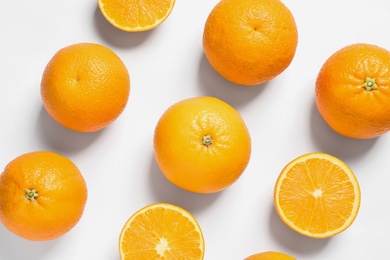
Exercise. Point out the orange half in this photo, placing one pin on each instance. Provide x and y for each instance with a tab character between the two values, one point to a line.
136	16
270	255
317	195
161	231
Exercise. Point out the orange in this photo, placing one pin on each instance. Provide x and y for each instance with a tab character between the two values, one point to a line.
250	42
317	195
161	231
202	144
136	16
353	91
43	195
270	255
85	87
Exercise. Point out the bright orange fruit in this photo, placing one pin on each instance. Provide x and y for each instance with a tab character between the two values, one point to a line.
85	87
43	195
317	195
161	231
250	42
202	144
353	91
136	16
270	255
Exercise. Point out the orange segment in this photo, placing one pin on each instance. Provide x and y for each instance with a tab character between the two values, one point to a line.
317	195
161	231
135	16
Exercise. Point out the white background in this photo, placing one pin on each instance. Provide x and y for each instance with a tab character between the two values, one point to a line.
167	65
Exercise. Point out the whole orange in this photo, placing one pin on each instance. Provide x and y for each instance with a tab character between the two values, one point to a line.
85	87
353	91
43	195
250	42
202	144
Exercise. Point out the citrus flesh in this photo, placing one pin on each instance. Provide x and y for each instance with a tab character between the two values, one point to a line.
317	195
136	16
270	255
161	231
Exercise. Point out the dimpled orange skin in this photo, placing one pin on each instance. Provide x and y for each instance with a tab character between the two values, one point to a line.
343	98
270	255
250	42
59	204
181	150
85	87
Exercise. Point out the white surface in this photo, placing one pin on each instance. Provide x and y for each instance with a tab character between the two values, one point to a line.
166	65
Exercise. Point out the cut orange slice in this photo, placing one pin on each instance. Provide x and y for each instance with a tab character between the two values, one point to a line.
161	231
136	16
270	255
317	195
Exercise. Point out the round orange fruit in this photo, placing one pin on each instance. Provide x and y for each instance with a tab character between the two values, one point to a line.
85	87
136	16
353	91
43	195
317	195
202	144
250	42
161	231
270	255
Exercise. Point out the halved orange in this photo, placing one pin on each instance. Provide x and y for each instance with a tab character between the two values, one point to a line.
161	231
136	16
270	255
317	195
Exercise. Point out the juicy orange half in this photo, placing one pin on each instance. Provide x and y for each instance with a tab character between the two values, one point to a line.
161	231
136	16
270	255
317	195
